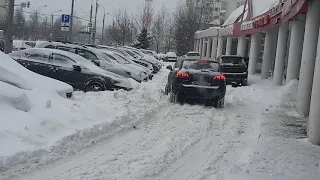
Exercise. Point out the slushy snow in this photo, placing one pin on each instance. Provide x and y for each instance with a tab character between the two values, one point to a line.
139	135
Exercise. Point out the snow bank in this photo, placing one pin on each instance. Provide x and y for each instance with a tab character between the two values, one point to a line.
54	127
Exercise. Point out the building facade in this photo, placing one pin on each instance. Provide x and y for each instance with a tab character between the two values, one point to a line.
280	36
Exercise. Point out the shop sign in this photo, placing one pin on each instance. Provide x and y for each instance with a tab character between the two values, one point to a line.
226	31
263	21
276	10
287	6
246	26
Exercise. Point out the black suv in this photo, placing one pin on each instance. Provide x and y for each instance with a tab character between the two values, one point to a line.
196	79
234	68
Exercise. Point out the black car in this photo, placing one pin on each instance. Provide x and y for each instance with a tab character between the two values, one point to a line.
71	69
234	68
196	80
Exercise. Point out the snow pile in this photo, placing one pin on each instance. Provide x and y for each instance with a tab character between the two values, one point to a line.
234	16
260	7
50	127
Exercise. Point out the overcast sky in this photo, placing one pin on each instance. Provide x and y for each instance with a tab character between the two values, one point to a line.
82	7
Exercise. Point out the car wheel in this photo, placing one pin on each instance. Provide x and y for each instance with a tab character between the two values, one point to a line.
244	83
173	97
95	86
166	90
219	103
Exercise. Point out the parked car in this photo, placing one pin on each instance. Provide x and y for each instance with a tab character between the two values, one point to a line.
13	73
234	68
96	57
193	55
196	79
138	74
145	65
21	45
70	68
150	52
171	57
139	56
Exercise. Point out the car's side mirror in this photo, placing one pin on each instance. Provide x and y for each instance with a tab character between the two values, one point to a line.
97	63
169	68
77	68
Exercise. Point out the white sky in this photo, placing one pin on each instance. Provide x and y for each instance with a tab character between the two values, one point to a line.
110	5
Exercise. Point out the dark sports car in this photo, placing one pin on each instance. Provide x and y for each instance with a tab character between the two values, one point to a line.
196	80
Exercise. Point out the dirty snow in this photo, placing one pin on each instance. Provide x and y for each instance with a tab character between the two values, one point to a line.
138	135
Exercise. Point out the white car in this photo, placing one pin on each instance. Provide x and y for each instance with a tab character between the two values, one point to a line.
171	57
193	55
21	45
11	72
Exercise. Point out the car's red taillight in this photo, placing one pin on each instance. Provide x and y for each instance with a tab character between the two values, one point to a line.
22	48
183	75
220	78
202	61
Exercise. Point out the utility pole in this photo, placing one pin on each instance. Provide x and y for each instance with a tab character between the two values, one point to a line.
95	24
8	45
90	29
71	20
102	38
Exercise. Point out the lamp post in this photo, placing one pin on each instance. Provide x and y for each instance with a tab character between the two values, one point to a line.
104	18
52	23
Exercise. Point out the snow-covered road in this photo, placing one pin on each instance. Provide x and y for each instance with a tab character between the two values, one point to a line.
253	137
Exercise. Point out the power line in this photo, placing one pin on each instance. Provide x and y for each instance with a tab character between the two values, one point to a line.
81	8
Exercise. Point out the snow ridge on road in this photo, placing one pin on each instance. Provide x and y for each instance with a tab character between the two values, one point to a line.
110	113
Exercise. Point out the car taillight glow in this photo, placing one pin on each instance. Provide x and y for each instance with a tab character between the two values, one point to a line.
202	61
220	78
183	75
22	48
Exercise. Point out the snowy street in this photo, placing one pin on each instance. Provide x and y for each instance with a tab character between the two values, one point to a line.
257	135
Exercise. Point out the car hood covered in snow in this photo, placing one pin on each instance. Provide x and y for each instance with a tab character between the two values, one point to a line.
11	72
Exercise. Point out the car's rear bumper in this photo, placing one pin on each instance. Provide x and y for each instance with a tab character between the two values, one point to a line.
236	77
200	92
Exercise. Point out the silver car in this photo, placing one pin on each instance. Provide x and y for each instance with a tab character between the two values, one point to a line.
138	73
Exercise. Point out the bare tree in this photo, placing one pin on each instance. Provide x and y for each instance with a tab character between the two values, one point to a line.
121	29
158	29
19	24
186	24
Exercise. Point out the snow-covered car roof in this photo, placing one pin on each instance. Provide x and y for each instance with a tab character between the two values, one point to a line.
15	74
171	54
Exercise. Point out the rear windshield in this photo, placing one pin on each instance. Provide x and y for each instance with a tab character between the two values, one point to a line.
232	60
198	65
193	54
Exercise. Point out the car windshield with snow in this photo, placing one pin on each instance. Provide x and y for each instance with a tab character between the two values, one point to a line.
70	68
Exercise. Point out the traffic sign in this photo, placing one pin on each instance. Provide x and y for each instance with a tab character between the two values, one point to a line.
65	18
90	25
65	28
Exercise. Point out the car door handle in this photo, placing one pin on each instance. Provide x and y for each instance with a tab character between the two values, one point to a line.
54	69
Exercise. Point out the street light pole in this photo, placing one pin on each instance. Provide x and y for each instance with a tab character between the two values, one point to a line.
102	38
104	18
95	24
9	43
71	20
